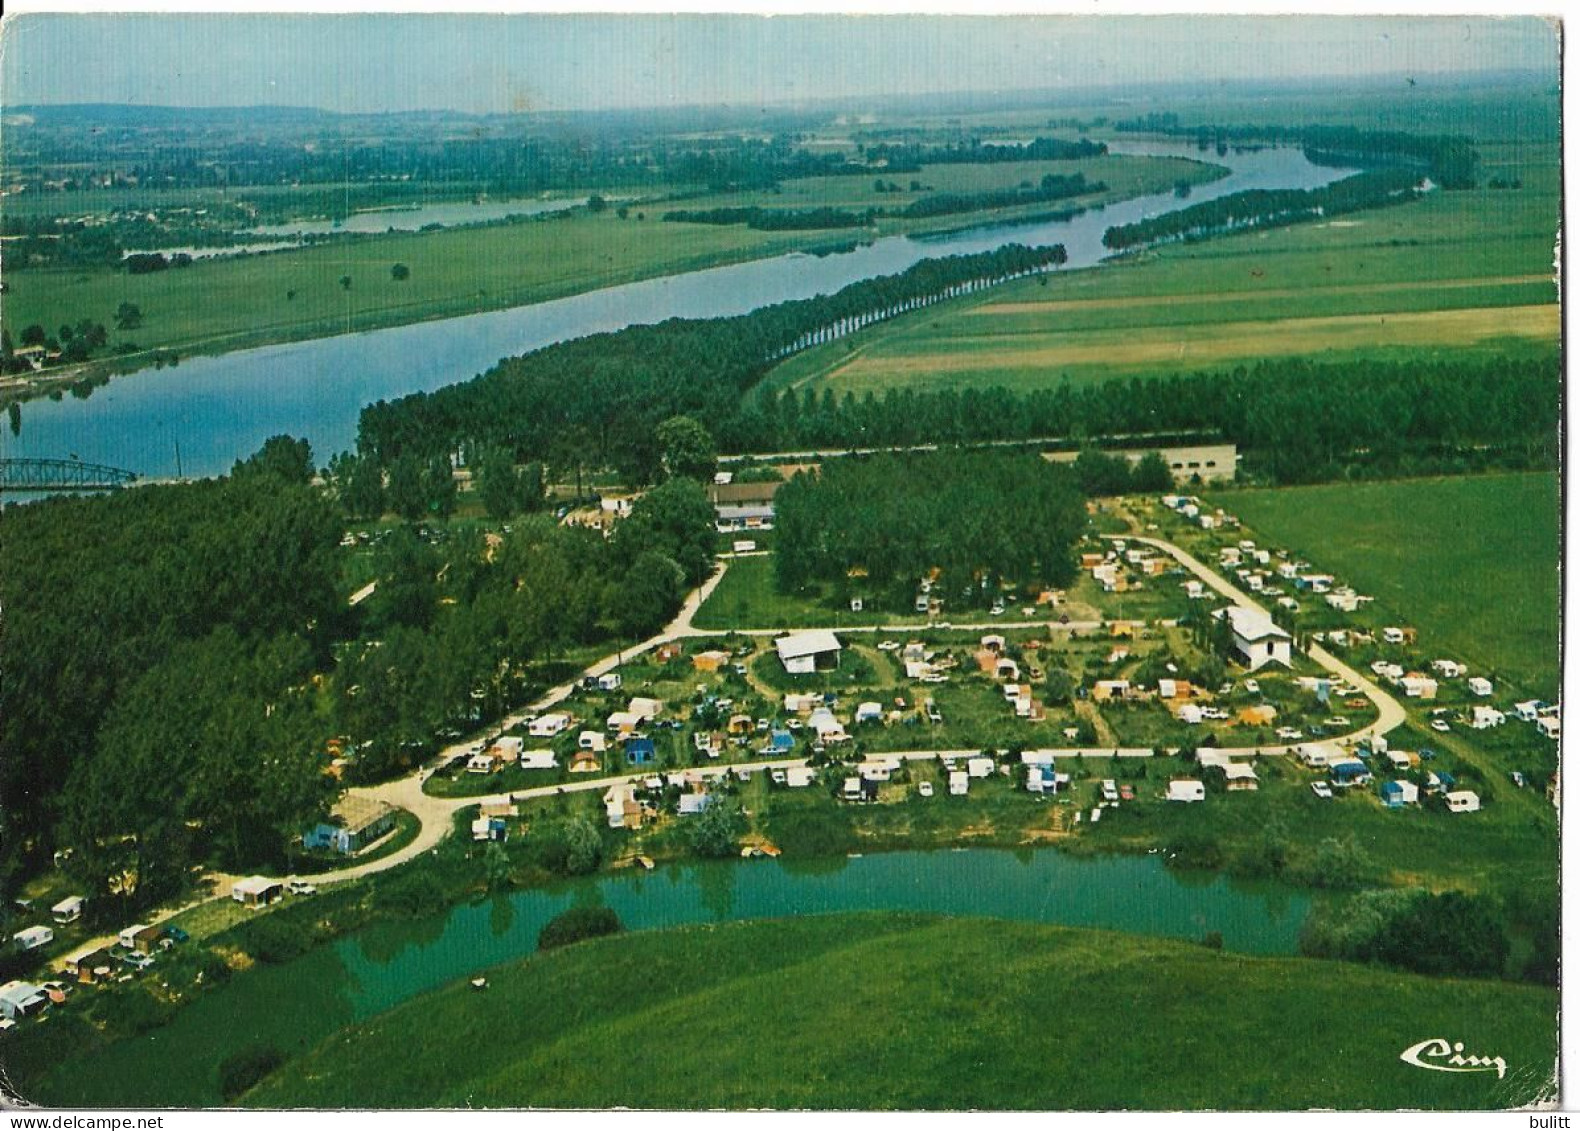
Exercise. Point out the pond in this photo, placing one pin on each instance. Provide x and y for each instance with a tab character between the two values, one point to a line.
220	409
295	1005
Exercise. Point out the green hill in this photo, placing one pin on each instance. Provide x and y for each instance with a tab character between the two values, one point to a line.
896	1011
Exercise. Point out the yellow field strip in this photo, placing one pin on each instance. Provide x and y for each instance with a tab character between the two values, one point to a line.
1241	296
1195	344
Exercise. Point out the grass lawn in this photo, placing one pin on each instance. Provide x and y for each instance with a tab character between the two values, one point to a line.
748	598
1472	561
1451	272
904	1011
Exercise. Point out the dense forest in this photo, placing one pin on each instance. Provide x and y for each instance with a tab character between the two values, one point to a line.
596	401
1268	208
1450	161
106	597
980	517
178	658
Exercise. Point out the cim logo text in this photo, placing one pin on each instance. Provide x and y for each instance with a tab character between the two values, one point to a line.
1441	1056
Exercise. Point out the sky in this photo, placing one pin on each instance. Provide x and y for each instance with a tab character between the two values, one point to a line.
361	62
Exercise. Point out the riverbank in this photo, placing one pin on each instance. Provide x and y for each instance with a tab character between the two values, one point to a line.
244	302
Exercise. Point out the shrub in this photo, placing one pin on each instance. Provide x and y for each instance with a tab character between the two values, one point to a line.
410	893
241	1070
577	924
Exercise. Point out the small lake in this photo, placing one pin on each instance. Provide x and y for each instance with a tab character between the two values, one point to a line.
220	409
297	1004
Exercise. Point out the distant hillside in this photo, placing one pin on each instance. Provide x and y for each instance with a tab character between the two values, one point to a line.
895	1011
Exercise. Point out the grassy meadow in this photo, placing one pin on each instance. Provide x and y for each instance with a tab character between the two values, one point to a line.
1449	273
977	1014
1473	561
229	303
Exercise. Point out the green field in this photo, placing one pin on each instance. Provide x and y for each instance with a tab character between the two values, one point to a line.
974	1014
224	304
1472	562
1449	273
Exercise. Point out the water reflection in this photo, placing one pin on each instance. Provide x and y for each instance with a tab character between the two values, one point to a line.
221	409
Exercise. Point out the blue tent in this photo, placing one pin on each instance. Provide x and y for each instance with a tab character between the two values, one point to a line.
781	741
1347	773
639	750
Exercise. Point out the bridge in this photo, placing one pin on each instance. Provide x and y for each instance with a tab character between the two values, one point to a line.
61	475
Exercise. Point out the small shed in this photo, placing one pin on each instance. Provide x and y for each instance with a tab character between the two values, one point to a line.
1239	777
256	891
128	936
693	803
88	964
1187	790
1398	793
803	653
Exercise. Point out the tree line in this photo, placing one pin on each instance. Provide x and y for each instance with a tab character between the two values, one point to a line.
1268	208
1452	161
1295	420
596	401
909	157
980	517
1051	187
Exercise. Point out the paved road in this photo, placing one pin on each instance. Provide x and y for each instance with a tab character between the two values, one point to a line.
436	815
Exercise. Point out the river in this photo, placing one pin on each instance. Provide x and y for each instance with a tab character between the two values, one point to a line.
299	1003
219	409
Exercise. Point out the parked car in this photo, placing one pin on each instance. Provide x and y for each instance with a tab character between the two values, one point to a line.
301	887
176	934
137	961
925	789
1110	790
1323	790
1440	725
